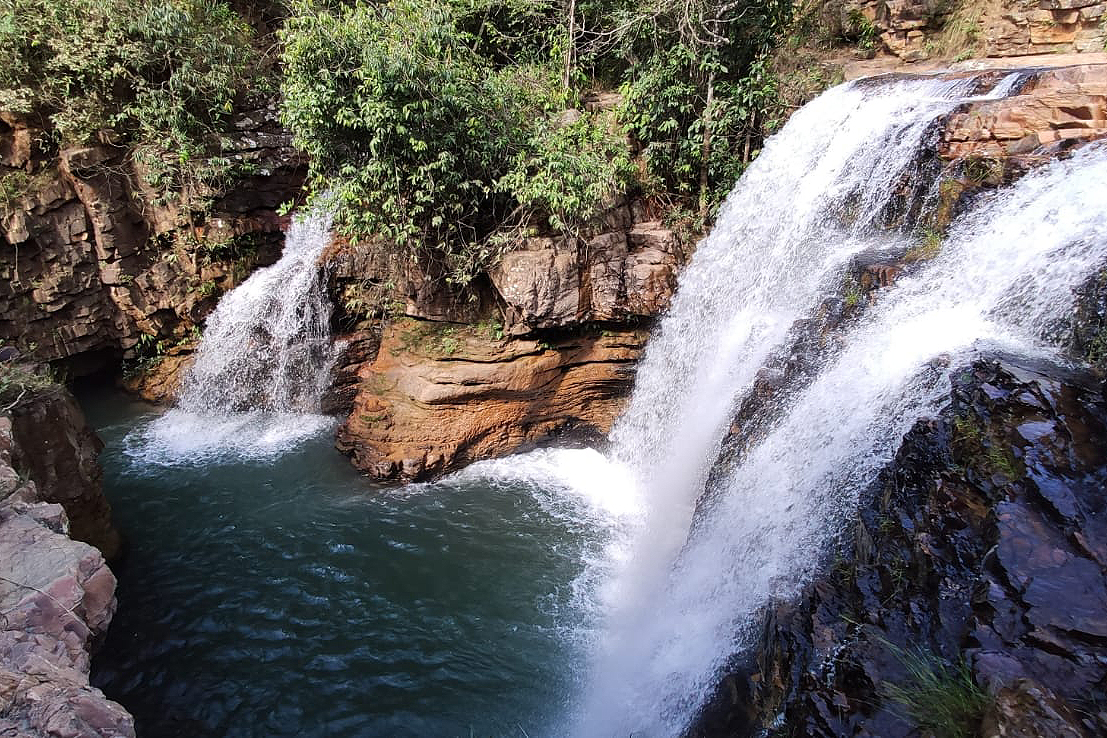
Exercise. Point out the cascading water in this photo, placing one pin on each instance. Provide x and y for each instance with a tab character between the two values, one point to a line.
476	600
680	601
263	364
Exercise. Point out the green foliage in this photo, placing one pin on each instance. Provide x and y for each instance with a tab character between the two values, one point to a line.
668	84
429	126
165	67
567	171
163	74
440	129
860	30
928	246
13	186
21	382
940	697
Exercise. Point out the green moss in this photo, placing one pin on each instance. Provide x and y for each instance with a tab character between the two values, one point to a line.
979	449
981	170
928	246
429	338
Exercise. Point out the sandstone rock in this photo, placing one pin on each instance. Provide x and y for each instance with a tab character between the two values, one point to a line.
1068	103
615	275
1029	710
92	262
915	30
439	396
56	597
458	386
52	444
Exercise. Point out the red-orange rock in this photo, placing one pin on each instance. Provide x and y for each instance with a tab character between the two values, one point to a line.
439	396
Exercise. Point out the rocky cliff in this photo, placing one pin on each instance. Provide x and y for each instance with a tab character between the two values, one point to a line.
981	547
915	30
544	347
969	597
57	595
98	265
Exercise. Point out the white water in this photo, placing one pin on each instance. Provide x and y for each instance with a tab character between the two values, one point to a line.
262	366
678	598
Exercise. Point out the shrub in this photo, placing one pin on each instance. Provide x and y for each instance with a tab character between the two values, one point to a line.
425	134
163	72
941	698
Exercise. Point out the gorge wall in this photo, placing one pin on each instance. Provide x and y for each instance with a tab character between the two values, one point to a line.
549	343
968	596
915	30
98	266
547	346
57	595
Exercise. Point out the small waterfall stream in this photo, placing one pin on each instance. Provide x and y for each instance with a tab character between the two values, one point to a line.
262	366
607	593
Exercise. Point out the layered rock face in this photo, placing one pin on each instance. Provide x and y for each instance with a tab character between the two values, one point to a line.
1066	105
568	315
983	543
547	347
57	597
978	559
54	446
918	29
96	265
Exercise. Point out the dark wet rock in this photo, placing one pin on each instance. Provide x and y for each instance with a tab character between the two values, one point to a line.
983	544
1089	322
54	446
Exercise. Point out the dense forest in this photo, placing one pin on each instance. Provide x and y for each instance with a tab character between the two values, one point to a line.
438	129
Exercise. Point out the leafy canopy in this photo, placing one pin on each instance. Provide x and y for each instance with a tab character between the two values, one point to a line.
429	124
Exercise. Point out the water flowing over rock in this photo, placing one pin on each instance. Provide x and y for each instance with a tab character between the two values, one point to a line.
981	543
264	361
709	554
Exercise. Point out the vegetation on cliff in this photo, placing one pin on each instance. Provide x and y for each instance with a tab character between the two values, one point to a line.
443	128
159	76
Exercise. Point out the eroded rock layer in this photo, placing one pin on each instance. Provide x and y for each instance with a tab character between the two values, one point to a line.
57	595
546	346
97	266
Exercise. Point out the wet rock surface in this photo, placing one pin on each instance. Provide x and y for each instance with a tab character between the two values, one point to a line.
53	446
984	544
57	597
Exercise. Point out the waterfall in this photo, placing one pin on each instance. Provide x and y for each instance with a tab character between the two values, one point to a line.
263	363
684	589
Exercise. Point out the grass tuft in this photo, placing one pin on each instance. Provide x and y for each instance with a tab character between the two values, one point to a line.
940	697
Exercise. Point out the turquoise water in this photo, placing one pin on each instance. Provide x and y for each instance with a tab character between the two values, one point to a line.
285	595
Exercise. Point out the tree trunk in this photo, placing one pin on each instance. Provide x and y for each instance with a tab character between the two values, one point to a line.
572	44
705	149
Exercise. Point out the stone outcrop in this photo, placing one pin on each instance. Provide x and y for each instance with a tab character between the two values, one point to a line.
54	446
982	544
57	597
438	396
545	347
915	30
96	266
1066	105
